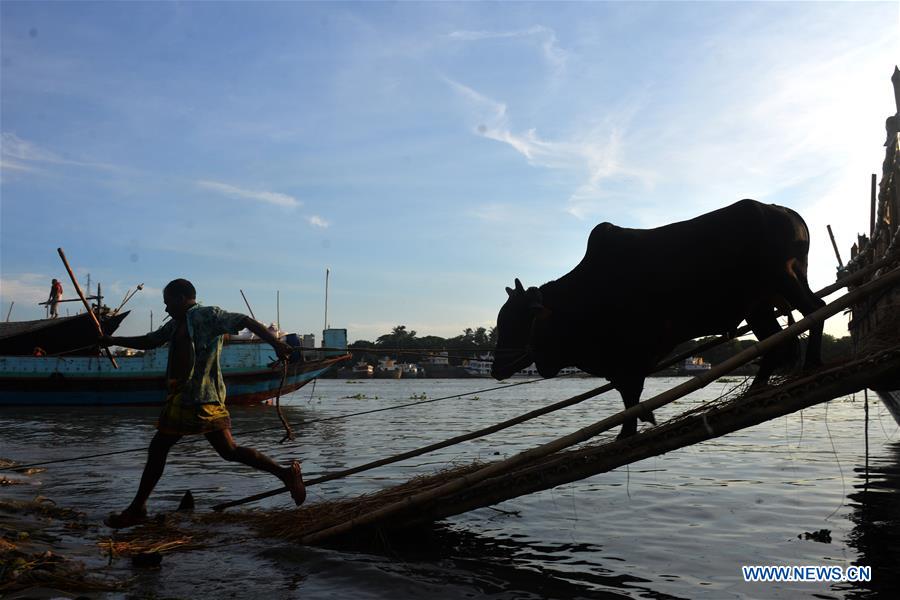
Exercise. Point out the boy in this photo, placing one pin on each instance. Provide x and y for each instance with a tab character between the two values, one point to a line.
195	399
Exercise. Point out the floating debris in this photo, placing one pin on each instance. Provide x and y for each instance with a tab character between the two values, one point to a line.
823	536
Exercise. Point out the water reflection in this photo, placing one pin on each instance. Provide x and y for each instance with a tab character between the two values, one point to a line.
505	566
876	531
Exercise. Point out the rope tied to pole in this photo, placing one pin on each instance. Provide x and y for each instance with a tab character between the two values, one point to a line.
288	432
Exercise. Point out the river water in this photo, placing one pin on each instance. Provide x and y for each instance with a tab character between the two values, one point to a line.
675	526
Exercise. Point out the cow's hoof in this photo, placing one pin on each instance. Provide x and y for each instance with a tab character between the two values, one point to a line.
626	433
648	418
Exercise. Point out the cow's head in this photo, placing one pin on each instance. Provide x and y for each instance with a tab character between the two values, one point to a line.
516	331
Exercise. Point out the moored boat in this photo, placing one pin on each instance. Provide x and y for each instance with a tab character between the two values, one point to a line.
693	365
63	335
249	370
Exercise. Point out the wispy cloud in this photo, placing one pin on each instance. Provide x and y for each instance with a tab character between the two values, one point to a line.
595	151
234	191
25	289
19	154
10	165
552	53
317	221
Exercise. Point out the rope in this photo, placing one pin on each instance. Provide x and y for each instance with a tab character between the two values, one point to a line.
288	432
429	448
261	430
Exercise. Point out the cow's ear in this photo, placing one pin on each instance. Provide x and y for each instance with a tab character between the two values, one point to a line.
519	287
509	291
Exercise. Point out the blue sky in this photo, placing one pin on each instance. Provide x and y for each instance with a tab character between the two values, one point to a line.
425	153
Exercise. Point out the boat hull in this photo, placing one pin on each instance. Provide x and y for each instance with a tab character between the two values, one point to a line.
141	381
65	335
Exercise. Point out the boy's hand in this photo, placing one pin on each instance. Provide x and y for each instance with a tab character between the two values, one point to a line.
283	350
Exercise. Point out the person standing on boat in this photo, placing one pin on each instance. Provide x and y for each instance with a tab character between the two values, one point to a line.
54	298
195	400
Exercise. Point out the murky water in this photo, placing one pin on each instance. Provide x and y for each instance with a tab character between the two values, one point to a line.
676	526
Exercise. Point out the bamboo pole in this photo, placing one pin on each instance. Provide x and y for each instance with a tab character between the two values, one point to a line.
84	301
641	409
716	422
9	312
834	245
248	304
430	448
872	207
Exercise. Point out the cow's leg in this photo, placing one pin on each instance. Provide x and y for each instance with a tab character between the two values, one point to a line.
631	389
795	290
764	324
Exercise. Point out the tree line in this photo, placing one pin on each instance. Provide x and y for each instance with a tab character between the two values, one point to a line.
407	346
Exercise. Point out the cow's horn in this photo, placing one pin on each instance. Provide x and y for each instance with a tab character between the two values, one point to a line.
519	287
509	291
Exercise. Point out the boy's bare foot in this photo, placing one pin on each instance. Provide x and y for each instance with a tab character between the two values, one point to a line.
126	518
294	483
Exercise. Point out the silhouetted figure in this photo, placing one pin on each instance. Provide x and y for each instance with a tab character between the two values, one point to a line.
195	399
56	293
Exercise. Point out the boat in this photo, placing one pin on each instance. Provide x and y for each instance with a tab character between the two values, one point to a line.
436	365
875	323
480	366
693	365
360	370
63	335
410	370
249	369
388	369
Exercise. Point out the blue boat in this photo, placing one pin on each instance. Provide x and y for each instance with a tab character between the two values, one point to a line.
251	375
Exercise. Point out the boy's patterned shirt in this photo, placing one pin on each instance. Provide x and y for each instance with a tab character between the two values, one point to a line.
206	325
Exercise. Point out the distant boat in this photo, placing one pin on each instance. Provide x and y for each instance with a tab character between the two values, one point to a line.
388	369
479	367
694	365
63	335
247	368
361	370
436	365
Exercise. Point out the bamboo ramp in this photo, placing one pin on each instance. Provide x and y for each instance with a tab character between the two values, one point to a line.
428	498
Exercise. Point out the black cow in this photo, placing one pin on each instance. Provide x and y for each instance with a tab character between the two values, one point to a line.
638	293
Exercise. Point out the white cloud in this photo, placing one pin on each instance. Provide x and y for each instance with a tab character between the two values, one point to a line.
233	191
26	290
17	153
10	165
317	221
553	54
595	152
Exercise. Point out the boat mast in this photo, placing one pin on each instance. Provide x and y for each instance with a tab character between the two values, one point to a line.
327	273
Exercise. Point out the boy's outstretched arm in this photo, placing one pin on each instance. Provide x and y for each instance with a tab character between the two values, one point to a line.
282	349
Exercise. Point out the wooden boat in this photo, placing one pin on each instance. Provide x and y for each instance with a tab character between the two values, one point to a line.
63	335
248	369
875	322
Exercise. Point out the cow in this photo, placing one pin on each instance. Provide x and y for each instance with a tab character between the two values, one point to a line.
638	293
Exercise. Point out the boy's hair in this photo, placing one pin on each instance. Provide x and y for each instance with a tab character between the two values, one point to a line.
182	287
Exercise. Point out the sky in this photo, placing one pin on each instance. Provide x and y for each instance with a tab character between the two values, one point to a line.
425	153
